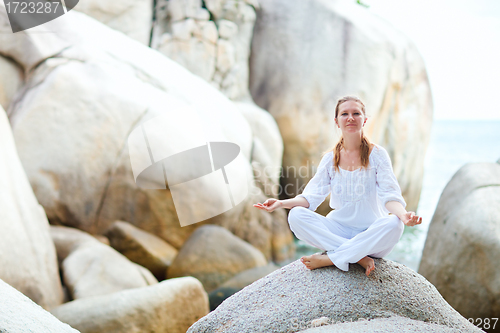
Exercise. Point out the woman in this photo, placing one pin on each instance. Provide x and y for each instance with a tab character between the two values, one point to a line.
363	191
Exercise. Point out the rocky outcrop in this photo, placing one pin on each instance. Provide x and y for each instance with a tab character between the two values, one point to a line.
91	88
28	257
305	55
210	38
381	325
213	255
463	242
132	17
91	268
297	294
142	247
169	306
20	314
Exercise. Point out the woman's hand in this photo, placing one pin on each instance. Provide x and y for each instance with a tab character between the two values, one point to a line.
269	205
410	219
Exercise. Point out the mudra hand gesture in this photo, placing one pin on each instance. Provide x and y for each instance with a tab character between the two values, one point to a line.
410	219
269	205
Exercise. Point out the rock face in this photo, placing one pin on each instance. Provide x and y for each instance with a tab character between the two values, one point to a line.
295	293
142	248
383	325
306	55
20	314
132	17
90	268
169	306
28	257
213	255
464	240
210	38
91	88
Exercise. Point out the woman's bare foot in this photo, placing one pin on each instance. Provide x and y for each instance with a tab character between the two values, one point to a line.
316	261
367	264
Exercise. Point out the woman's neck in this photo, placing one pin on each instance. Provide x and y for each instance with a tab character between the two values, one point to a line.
352	142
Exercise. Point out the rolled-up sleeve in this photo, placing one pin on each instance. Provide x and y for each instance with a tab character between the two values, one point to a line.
387	185
318	187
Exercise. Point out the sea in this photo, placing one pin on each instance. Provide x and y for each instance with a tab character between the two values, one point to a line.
453	143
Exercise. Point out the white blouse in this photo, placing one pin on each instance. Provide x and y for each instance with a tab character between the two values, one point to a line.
358	197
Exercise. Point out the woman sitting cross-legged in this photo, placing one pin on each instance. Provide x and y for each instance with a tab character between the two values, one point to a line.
364	190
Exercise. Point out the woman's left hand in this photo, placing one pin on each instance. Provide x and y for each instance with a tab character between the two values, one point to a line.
410	219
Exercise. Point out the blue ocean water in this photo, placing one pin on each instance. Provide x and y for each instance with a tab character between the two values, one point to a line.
453	143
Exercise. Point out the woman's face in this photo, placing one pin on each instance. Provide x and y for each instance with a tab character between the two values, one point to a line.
350	118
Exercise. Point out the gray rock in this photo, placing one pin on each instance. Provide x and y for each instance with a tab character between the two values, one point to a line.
169	306
19	314
295	293
463	242
382	325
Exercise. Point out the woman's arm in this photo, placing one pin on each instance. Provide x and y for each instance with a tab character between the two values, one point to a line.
272	204
408	218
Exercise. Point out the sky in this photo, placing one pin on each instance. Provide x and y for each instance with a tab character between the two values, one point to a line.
459	41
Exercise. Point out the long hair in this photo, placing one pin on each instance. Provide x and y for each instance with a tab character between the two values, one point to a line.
365	143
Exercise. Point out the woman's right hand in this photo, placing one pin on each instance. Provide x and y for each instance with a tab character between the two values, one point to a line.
269	205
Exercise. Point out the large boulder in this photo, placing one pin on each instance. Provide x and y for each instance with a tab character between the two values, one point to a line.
89	88
213	255
169	306
27	255
307	54
297	294
463	242
142	247
20	314
210	38
91	268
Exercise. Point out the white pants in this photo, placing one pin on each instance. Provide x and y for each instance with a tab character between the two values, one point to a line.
345	245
